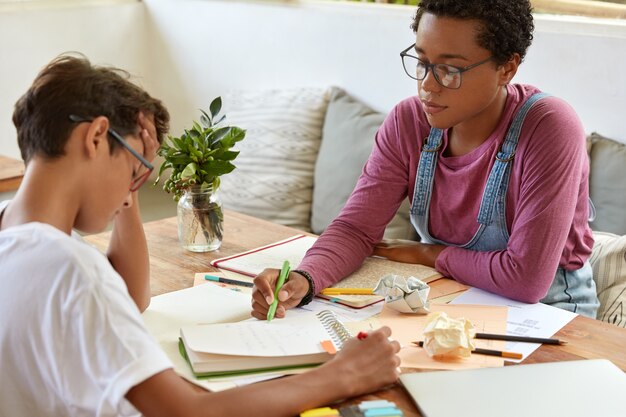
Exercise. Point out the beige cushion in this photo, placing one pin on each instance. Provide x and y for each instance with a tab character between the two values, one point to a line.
347	139
608	261
274	175
607	184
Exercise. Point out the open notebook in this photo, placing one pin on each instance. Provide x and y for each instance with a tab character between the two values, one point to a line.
293	249
254	346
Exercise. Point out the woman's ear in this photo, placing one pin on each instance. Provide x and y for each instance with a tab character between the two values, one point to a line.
96	136
509	69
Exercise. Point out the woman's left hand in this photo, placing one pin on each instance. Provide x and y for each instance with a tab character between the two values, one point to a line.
408	251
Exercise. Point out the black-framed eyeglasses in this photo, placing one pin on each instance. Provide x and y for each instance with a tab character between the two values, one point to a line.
447	76
146	167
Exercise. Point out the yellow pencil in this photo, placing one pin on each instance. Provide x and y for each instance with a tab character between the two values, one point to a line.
347	291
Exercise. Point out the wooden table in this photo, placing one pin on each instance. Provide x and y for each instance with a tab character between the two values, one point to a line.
11	173
173	268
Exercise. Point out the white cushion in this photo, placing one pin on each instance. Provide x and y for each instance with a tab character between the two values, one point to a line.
608	261
274	175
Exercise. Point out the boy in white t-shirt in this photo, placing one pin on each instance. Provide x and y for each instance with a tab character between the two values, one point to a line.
72	341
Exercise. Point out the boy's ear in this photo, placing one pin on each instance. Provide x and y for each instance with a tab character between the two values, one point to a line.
96	136
509	69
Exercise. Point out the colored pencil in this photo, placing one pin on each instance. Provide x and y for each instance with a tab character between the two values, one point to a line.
228	281
490	352
526	339
282	277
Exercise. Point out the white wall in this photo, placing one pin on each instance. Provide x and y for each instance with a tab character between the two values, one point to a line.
31	37
584	62
209	47
188	51
215	46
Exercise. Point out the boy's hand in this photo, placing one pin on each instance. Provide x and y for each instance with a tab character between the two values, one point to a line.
292	292
367	364
148	135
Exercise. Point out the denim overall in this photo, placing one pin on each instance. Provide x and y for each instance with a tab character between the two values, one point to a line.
571	290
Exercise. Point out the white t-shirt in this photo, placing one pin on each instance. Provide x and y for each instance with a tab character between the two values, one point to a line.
72	341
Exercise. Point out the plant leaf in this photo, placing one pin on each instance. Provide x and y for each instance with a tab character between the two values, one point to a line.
226	155
197	129
189	171
163	168
221	119
205	119
219	134
217	168
216	106
178	143
235	135
201	154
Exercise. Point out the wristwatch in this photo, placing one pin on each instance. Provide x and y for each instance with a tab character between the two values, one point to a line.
311	293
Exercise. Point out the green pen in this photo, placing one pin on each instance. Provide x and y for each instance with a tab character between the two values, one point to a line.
282	277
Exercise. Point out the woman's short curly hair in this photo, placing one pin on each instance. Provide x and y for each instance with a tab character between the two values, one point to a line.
507	25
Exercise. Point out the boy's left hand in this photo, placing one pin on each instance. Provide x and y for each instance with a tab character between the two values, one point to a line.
148	135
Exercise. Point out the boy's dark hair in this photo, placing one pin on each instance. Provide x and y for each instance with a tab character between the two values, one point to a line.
507	25
71	85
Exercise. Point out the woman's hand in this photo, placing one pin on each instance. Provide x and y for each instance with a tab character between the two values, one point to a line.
409	252
290	295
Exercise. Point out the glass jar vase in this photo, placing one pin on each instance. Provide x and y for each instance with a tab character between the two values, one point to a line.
200	219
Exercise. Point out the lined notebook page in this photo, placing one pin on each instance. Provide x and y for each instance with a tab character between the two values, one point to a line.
300	335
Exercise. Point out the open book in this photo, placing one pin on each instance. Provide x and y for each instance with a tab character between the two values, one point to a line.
255	346
293	249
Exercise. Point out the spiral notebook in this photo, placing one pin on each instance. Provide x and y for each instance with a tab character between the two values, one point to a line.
259	346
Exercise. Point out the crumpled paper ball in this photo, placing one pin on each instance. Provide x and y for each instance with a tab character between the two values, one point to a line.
446	336
406	295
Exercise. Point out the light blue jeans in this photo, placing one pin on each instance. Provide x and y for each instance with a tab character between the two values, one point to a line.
574	291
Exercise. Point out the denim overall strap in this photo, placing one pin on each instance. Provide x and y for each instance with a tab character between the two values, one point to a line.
570	290
491	235
426	172
499	176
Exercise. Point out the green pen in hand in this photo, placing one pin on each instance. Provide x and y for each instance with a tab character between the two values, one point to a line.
282	277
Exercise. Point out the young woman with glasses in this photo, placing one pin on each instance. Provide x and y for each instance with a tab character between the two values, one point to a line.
496	172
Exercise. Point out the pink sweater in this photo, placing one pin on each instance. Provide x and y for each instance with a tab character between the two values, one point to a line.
546	205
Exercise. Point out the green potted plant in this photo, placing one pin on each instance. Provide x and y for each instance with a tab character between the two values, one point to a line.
197	159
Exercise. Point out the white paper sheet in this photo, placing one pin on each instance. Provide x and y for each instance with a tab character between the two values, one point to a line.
168	312
201	304
532	320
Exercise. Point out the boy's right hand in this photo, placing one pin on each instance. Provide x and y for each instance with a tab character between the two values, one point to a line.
368	364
